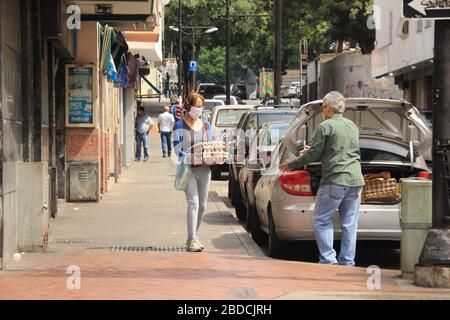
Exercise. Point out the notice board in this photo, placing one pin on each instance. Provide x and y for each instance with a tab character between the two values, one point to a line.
80	96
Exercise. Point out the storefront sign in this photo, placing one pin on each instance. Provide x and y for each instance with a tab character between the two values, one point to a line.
427	9
80	96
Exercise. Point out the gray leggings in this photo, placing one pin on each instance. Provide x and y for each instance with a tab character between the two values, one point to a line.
197	197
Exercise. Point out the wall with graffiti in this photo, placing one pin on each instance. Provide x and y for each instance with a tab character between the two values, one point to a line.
350	74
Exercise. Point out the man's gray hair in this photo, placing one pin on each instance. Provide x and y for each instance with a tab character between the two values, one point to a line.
335	101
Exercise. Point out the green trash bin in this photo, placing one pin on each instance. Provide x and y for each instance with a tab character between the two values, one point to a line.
415	220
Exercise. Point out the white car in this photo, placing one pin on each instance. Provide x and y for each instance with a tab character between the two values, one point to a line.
233	99
294	89
210	104
393	137
224	120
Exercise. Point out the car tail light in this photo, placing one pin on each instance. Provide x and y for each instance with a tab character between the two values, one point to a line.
296	183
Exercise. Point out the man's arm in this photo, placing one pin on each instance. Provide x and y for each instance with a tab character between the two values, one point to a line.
151	124
312	154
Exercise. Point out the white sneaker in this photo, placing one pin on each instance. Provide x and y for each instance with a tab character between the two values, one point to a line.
194	246
198	241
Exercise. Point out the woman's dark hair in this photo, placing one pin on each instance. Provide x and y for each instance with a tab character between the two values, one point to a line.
192	99
141	108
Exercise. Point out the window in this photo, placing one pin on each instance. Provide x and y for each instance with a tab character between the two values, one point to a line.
229	118
368	155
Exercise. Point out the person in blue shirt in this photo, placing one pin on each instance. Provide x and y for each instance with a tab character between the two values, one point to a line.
187	132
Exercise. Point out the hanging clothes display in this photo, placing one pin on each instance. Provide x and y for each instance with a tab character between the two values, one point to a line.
133	68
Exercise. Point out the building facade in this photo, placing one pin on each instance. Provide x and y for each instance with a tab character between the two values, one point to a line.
405	50
48	151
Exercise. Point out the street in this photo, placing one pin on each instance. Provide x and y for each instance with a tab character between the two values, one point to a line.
131	246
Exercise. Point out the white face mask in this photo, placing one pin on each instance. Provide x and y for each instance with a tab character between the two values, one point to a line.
195	112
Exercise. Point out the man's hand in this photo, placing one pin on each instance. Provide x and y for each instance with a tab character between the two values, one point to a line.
306	148
285	167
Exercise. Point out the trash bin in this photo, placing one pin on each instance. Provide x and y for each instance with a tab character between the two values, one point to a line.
415	220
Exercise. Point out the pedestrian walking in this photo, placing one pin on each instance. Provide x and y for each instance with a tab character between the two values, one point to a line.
143	125
336	146
176	108
166	122
188	132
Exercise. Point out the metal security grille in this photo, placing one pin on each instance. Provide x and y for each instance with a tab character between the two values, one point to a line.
146	249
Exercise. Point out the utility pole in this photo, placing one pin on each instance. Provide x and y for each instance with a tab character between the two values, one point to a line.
278	49
194	73
227	71
180	53
435	254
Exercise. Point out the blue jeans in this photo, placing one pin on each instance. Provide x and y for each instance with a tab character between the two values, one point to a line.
165	142
141	139
329	199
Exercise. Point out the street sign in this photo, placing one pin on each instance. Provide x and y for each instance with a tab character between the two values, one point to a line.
427	9
193	66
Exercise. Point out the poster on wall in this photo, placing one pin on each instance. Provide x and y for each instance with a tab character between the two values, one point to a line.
80	96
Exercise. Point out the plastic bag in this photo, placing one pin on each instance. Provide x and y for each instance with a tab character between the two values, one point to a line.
183	174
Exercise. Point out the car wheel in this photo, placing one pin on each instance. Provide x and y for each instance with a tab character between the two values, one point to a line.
216	174
241	213
275	246
259	236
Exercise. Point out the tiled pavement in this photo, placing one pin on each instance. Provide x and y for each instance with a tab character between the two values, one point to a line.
143	210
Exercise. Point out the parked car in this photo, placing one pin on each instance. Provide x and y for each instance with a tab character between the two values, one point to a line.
211	103
260	153
201	86
239	90
247	128
294	89
393	138
233	100
224	120
209	91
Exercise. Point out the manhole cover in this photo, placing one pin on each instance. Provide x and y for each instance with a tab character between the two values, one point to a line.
146	249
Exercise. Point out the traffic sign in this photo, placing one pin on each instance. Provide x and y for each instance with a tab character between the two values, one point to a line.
426	9
193	66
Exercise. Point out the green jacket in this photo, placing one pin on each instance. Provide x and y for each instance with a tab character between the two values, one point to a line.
336	146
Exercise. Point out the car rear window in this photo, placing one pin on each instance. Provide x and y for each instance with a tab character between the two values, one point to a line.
229	117
266	118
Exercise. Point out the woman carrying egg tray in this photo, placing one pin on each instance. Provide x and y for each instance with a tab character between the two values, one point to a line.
190	135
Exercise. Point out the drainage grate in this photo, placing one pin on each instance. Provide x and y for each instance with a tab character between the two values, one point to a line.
71	241
146	249
163	190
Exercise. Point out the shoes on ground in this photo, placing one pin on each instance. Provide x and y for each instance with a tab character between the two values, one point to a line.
164	155
146	159
194	246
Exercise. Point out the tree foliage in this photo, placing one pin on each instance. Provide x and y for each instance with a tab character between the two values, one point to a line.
322	22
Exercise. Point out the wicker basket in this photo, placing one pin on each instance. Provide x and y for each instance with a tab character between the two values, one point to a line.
380	190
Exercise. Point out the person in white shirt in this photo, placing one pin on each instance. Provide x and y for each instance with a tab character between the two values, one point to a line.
165	126
143	126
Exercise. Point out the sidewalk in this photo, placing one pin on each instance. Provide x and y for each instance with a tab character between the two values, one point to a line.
131	246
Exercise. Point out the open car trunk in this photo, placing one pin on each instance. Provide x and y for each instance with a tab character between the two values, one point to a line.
397	172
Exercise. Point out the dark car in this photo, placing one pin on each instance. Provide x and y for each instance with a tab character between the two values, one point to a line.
239	90
248	128
209	91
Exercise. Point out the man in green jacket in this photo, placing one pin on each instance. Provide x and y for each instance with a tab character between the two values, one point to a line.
336	146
